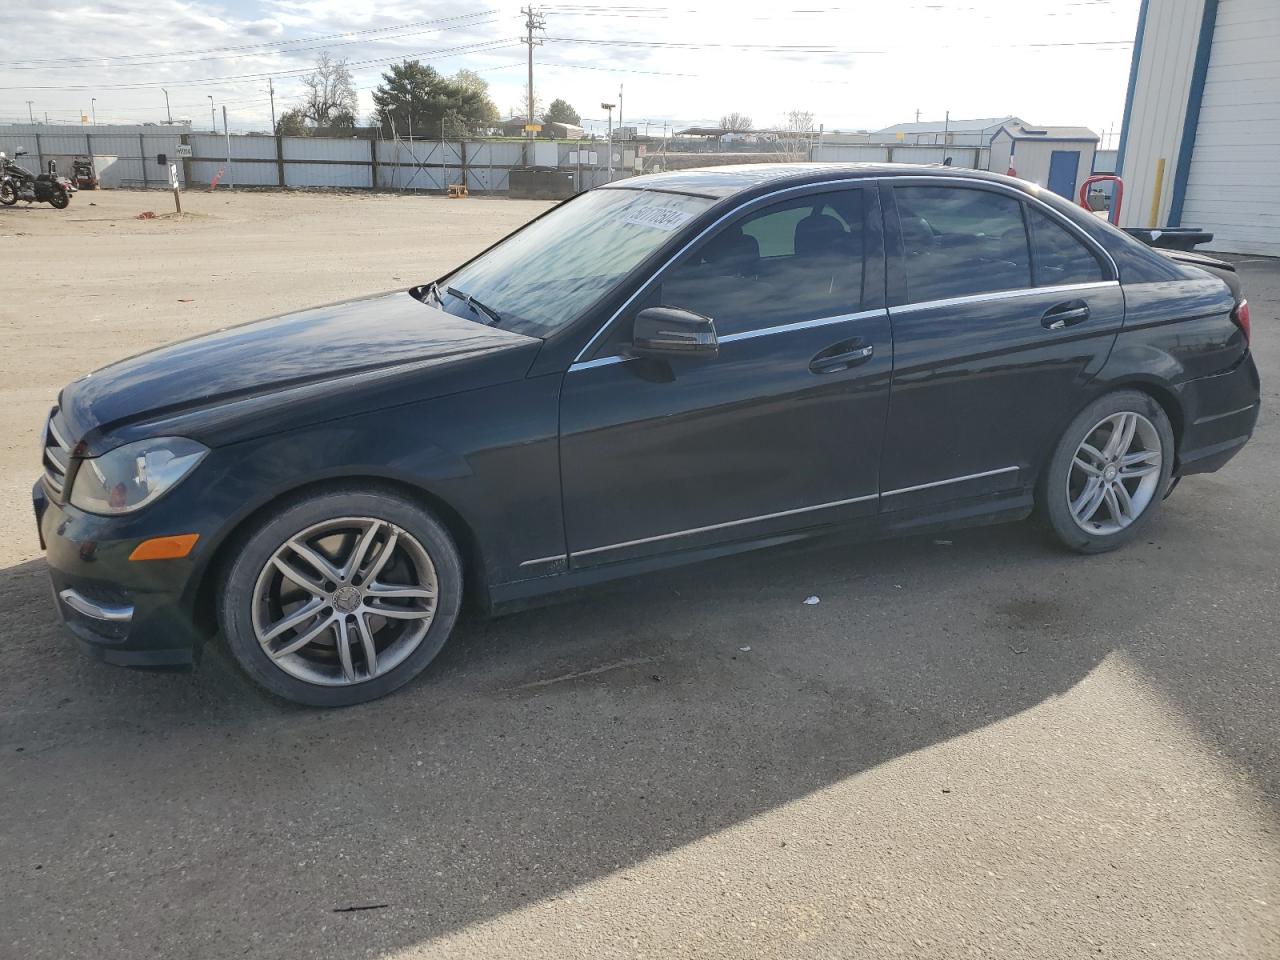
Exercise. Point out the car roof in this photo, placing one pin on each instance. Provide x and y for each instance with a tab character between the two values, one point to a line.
730	180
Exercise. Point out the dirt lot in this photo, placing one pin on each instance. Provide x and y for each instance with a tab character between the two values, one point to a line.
973	746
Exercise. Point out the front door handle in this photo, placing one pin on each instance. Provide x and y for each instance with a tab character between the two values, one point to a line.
1065	315
841	357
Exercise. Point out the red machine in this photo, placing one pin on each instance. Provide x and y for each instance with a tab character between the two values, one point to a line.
1114	216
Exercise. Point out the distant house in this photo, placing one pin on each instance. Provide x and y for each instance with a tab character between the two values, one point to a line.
1055	157
959	133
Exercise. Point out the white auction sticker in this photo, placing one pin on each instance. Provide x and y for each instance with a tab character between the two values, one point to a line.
658	218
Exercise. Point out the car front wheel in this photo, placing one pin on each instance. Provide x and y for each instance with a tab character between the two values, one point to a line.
1109	472
341	597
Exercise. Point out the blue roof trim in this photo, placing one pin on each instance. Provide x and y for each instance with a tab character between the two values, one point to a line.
1191	122
1133	83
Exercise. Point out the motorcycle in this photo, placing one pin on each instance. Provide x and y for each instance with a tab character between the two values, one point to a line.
18	183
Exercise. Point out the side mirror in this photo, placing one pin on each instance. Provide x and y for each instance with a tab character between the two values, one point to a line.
670	331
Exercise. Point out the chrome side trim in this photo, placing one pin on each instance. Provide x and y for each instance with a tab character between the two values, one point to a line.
750	335
801	325
1223	416
95	611
721	526
943	483
1000	295
815	187
558	556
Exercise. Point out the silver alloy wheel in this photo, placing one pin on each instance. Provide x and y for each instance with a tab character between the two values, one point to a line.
344	601
1114	474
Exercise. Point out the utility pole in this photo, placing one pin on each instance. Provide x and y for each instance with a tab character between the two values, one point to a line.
213	116
167	112
609	107
93	108
30	115
271	92
620	110
917	114
533	20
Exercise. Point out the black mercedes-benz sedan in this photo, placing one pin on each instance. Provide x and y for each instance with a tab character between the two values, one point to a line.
667	369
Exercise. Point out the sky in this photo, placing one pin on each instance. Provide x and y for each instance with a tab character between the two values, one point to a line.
854	65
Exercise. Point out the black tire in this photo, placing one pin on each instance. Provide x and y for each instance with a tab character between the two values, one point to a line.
59	199
240	577
8	194
1055	487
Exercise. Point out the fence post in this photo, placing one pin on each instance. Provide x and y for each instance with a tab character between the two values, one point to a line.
462	146
279	160
185	140
142	156
373	163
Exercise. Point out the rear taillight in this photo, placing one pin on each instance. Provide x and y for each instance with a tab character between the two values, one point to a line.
1241	317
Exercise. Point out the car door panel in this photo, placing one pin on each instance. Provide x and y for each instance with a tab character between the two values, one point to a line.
781	430
984	382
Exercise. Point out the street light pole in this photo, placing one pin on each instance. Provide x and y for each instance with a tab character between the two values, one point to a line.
609	107
30	114
213	114
167	112
93	108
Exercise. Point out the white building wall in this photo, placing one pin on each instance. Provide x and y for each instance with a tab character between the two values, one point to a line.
1233	185
1154	129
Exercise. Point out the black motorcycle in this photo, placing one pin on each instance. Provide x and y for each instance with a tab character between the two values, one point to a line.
18	183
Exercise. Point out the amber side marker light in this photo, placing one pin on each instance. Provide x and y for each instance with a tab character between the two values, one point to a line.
165	548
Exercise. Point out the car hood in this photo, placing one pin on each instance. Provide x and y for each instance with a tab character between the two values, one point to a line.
293	358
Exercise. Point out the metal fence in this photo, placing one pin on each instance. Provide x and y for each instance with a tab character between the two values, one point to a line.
960	156
129	157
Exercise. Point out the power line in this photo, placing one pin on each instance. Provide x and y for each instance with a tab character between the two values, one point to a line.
255	46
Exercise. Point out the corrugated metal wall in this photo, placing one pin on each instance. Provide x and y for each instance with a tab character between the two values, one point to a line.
126	155
1153	130
1233	184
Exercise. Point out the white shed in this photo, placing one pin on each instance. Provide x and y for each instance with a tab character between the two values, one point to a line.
1055	157
1200	145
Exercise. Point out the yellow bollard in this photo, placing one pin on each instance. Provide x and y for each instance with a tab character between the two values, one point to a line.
1155	196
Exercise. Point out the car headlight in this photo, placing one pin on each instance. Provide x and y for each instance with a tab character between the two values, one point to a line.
129	477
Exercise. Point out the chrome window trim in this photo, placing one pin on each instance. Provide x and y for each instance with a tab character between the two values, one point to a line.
721	526
740	208
750	335
1000	295
53	431
95	611
943	483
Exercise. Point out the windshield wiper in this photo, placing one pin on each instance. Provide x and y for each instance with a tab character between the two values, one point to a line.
475	306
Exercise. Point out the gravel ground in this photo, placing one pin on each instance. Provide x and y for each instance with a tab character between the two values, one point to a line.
976	746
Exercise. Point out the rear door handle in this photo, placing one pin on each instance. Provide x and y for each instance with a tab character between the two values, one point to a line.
841	357
1065	315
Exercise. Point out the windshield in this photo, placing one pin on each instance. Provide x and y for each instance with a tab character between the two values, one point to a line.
550	272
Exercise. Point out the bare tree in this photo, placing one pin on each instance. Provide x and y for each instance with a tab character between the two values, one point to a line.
330	97
735	122
796	136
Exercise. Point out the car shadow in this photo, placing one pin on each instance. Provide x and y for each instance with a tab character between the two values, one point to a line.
552	747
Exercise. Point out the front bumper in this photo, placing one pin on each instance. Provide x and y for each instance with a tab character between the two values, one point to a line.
127	612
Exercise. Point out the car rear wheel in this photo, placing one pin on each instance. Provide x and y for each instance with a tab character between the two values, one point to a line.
342	597
1109	472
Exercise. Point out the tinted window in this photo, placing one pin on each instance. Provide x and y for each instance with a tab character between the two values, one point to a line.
1058	256
800	259
958	242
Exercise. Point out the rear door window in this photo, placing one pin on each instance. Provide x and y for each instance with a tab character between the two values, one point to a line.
1058	256
961	241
